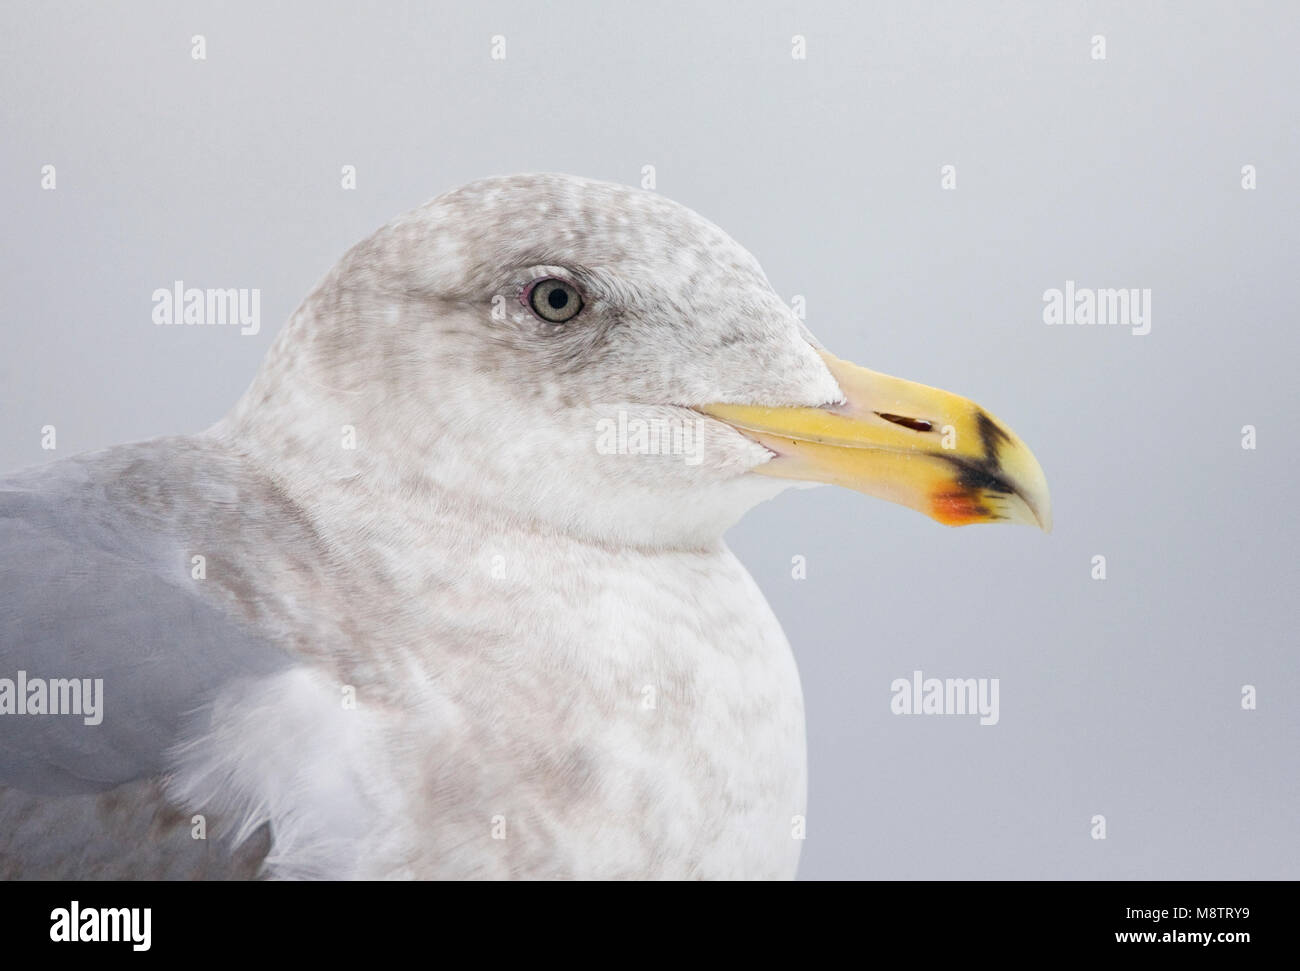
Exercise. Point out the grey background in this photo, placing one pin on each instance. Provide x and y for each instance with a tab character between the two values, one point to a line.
1118	697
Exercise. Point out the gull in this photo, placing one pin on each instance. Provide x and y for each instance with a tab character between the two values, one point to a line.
445	594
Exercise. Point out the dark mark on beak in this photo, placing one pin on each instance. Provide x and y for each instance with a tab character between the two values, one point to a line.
916	424
978	477
992	436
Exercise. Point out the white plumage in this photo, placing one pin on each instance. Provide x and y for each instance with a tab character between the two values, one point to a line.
441	632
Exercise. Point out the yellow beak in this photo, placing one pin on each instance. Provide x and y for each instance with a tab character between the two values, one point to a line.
921	447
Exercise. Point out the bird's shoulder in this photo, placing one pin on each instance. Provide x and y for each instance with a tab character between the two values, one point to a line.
103	593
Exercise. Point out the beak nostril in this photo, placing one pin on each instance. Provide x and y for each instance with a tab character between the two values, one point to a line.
916	424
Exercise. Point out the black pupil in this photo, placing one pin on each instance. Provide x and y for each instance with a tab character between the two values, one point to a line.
557	298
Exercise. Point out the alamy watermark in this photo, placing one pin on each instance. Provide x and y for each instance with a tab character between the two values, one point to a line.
626	435
75	923
229	307
57	696
1112	307
946	696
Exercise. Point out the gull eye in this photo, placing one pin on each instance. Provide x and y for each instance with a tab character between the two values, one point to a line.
555	301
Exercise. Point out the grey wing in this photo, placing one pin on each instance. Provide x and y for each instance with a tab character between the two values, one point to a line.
96	588
72	609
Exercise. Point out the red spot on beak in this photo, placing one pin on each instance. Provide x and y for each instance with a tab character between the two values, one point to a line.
958	508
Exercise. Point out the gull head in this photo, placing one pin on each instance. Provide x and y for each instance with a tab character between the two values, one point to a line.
595	359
